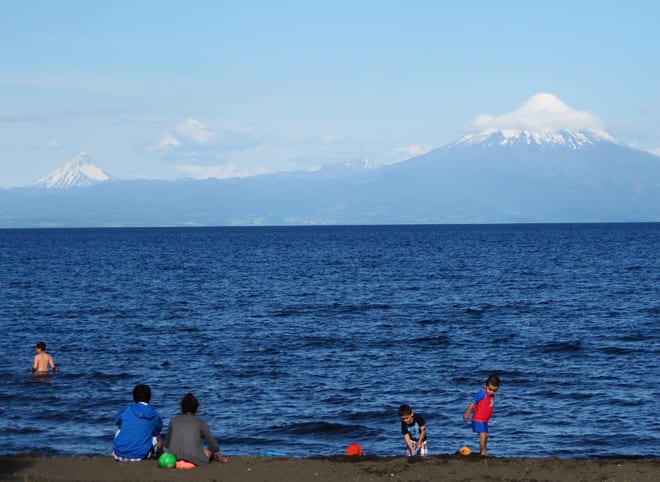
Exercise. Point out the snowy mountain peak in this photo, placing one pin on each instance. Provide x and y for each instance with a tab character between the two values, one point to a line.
571	139
79	172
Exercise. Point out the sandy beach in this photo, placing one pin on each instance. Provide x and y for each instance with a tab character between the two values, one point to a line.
340	468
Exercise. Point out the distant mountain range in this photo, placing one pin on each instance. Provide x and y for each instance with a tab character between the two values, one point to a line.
497	176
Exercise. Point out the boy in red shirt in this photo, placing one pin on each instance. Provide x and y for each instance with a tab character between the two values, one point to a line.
482	403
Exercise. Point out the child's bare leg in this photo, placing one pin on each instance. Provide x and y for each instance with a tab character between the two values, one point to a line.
159	445
483	440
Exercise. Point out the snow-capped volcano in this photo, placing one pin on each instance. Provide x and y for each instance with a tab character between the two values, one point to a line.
79	172
543	121
571	139
543	162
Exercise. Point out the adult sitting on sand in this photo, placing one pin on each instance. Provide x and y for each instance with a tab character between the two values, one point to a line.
186	433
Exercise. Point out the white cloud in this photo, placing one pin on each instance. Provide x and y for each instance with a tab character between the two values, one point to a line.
541	112
411	150
168	141
220	172
246	150
654	150
195	131
193	138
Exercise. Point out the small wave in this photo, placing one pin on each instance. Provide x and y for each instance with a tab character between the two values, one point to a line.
520	413
628	402
335	307
562	346
361	308
326	428
265	372
265	350
503	340
249	440
442	340
189	329
616	350
371	415
27	431
55	416
351	390
634	337
515	374
20	284
580	396
284	313
108	377
319	342
476	312
429	322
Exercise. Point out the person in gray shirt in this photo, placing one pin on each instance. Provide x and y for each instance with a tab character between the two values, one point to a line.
186	434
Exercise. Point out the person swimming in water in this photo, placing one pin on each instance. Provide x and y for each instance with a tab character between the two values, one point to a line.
42	360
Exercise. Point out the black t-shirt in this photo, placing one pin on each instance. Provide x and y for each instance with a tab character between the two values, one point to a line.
415	428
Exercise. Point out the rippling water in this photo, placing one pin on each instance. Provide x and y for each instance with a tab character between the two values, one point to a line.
302	340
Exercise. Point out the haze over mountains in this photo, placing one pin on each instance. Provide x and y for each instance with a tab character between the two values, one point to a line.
543	162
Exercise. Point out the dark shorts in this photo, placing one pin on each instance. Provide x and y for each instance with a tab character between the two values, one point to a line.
479	427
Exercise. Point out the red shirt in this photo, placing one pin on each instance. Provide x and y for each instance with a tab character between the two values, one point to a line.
483	406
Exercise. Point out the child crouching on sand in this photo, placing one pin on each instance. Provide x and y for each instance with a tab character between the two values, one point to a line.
413	429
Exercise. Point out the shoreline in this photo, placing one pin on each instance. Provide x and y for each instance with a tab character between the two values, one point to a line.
449	468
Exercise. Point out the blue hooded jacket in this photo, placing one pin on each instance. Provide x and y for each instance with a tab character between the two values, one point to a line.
138	424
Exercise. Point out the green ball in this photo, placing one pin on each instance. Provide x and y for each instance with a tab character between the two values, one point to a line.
167	461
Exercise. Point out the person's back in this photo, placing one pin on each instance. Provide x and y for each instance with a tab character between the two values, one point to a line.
186	432
138	437
42	360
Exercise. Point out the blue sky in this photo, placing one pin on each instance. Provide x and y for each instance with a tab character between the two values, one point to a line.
168	89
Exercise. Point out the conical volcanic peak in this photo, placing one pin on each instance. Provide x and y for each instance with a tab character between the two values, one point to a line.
79	172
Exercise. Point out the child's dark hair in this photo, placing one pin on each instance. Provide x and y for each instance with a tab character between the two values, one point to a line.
493	380
404	410
189	403
41	345
142	393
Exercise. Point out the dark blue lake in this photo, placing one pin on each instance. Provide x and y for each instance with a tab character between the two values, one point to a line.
302	340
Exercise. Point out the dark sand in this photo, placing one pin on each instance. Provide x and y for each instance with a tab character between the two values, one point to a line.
340	468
